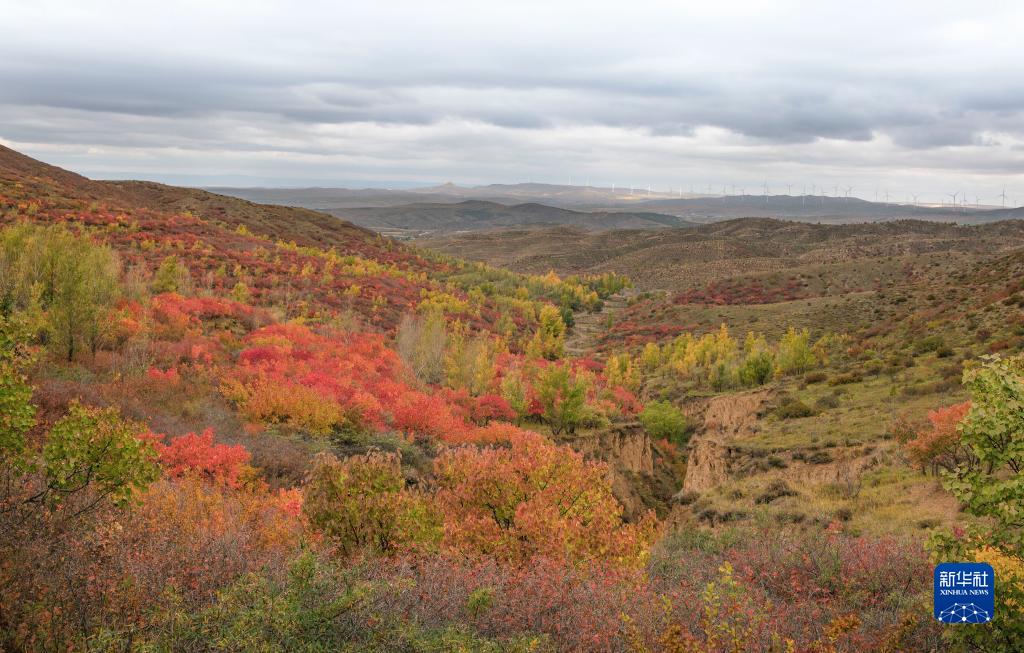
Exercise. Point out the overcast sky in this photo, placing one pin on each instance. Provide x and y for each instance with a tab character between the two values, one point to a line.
924	97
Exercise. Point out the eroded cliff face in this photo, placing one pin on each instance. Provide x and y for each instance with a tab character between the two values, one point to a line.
723	420
627	447
707	464
639	479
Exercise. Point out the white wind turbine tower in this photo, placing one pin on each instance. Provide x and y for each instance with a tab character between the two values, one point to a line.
915	198
1003	195
849	189
765	191
953	198
886	195
789	189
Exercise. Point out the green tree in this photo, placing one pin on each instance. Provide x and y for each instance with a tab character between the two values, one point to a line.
757	368
362	504
563	398
549	339
989	484
95	448
171	276
422	343
17	414
795	355
64	277
240	293
662	420
513	389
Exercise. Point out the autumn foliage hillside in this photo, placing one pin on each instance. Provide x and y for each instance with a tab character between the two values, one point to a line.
233	427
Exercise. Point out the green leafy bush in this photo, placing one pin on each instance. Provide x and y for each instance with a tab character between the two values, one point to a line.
662	420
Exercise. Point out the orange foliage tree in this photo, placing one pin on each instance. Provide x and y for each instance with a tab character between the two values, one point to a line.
528	498
938	446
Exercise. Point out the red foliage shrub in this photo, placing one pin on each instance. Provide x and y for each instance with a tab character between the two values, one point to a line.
197	454
939	445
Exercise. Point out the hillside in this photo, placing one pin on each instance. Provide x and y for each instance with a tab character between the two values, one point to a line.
694	256
268	428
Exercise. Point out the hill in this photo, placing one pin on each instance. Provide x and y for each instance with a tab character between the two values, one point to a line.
417	220
694	256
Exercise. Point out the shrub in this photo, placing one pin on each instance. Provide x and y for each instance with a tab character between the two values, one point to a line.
819	458
361	503
846	378
826	402
928	344
792	408
775	490
662	420
814	377
533	498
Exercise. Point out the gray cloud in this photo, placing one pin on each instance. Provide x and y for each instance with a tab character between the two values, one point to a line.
675	93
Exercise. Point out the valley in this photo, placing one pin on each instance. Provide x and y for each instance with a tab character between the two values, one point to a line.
535	411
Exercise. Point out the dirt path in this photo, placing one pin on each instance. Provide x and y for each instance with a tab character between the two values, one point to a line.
589	327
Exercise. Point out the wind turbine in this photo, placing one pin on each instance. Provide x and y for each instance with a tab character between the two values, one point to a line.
1003	195
789	189
886	195
953	198
849	189
765	191
915	198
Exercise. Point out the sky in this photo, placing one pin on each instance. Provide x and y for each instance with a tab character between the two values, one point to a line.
909	97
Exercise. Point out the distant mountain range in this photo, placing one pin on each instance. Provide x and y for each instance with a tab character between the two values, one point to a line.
448	207
473	215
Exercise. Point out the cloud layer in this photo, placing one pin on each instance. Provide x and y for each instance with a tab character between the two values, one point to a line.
922	97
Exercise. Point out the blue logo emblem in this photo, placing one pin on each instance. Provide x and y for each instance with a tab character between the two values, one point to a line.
964	592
